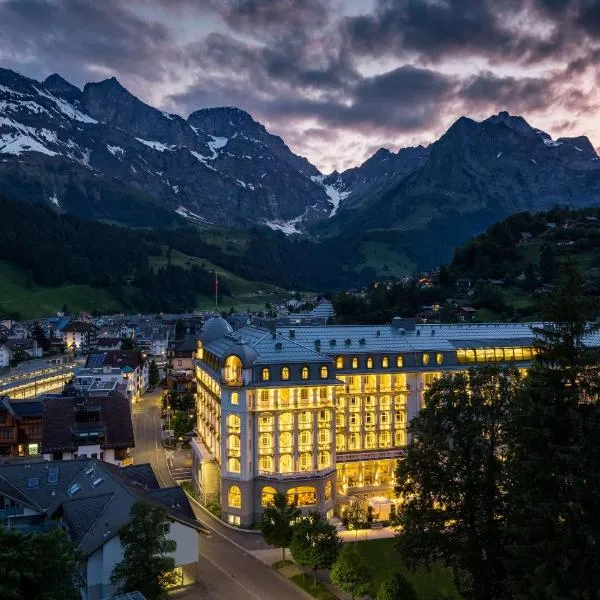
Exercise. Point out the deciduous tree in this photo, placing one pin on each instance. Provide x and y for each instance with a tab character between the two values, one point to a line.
396	587
277	522
315	543
351	573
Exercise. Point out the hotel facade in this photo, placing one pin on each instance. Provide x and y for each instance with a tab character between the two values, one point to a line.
321	413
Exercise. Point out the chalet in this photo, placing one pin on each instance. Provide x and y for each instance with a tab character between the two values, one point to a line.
95	425
92	501
20	427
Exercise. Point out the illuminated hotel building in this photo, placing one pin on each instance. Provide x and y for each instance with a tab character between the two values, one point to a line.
320	413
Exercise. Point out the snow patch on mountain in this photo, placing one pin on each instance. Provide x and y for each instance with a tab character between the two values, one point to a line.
216	143
54	200
202	159
115	150
333	191
186	213
551	142
287	227
66	108
159	146
19	143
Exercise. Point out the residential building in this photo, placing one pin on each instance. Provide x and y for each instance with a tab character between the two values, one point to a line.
84	377
321	413
180	354
20	427
108	343
28	347
5	355
80	336
95	425
92	501
132	364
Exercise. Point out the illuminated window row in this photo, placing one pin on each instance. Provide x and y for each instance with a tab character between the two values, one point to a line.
481	355
353	362
285	373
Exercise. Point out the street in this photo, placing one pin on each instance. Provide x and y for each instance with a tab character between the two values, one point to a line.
227	569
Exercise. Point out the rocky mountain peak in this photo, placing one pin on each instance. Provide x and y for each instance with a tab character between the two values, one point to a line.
60	87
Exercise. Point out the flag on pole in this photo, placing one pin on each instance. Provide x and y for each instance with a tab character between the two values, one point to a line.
216	289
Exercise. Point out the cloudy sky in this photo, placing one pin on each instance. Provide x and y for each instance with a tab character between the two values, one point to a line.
337	79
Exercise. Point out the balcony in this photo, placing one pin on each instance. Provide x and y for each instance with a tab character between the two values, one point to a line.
296	474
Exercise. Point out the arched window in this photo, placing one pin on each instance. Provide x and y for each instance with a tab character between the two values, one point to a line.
286	421
324	372
439	358
233	442
355	362
234	497
302	496
266	441
286	463
324	436
266	375
385	362
340	419
399	361
339	362
266	463
285	373
305	438
235	398
233	423
354	441
306	461
305	417
233	465
266	496
305	373
370	440
233	370
328	490
324	459
369	362
340	442
425	358
285	441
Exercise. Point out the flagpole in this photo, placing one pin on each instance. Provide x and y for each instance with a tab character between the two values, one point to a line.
216	292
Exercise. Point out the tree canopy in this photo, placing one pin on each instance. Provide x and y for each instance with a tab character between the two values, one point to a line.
278	521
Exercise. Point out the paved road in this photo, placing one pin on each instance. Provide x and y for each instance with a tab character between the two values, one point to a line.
227	570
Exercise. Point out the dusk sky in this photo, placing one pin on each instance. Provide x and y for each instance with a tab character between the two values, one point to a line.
336	79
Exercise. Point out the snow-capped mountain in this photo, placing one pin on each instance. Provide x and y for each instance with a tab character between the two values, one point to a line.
74	148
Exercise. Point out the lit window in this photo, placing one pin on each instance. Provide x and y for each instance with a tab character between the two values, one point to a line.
385	362
305	373
355	362
306	461
267	495
305	417
323	393
328	490
285	373
266	375
233	423
370	419
324	372
233	519
302	496
370	440
233	465
285	441
266	422
339	362
340	442
384	418
425	358
399	361
266	463
235	398
399	438
233	442
439	358
324	436
234	497
340	420
354	441
304	394
266	440
369	362
385	439
305	438
324	459
286	420
286	463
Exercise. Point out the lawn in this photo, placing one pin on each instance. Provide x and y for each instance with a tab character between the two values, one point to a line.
32	300
383	560
319	591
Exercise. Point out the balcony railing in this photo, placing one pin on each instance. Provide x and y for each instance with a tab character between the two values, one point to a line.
296	474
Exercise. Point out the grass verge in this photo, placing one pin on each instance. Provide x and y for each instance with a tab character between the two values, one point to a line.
319	591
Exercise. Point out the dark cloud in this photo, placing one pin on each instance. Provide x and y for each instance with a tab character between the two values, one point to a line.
83	37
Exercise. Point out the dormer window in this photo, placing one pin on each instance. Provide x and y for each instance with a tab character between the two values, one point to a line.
305	373
285	373
265	375
339	362
399	361
385	362
369	362
324	372
354	362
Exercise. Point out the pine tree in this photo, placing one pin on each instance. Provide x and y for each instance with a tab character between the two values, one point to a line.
452	479
277	522
153	374
146	566
554	522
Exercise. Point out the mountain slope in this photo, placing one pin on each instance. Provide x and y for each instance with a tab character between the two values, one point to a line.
220	166
474	175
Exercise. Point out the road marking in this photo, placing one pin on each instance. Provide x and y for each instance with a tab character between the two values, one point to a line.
230	575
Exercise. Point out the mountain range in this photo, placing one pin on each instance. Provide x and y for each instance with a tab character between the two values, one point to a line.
102	153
